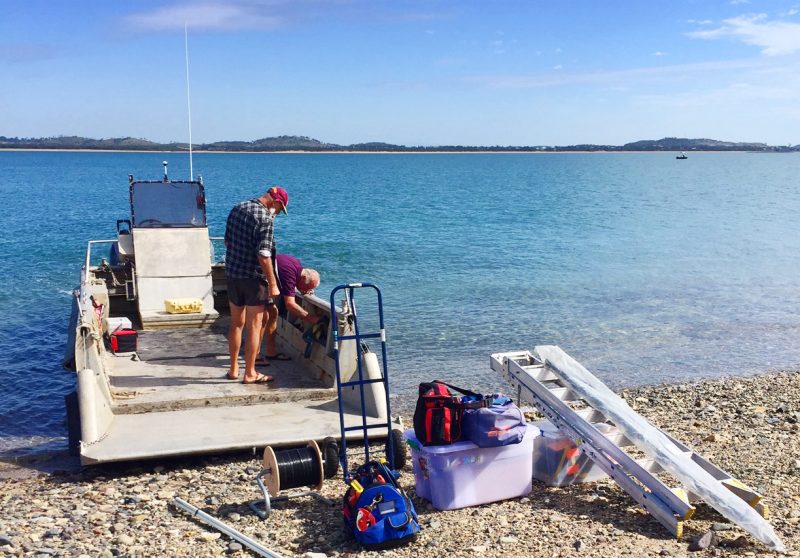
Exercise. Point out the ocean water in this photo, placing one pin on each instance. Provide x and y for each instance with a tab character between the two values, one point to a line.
644	268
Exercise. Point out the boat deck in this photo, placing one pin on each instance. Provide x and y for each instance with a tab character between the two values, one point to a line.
172	398
186	368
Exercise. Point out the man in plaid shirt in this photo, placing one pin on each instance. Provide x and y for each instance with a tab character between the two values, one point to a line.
249	258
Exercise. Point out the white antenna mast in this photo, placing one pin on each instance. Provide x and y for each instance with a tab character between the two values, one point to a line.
188	98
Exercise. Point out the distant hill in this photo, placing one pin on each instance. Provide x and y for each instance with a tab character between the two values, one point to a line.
683	144
304	143
76	142
280	143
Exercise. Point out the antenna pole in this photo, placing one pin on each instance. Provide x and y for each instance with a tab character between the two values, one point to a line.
188	99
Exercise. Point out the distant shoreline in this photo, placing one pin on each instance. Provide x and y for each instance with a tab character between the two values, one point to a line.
305	144
427	152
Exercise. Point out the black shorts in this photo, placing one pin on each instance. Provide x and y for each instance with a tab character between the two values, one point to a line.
247	292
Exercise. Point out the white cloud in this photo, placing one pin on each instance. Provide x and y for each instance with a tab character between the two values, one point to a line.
619	78
659	53
558	67
773	37
207	16
737	2
232	15
735	94
700	21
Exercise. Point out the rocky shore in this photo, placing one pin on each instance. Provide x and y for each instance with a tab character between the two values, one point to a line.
747	426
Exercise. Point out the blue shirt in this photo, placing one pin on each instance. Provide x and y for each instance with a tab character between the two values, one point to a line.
248	231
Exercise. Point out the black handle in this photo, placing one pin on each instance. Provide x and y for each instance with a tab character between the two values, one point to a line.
458	389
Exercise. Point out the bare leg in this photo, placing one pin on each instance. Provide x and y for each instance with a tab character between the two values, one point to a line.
270	328
254	318
235	338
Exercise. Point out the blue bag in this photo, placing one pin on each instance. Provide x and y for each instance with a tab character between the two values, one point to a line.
500	424
377	511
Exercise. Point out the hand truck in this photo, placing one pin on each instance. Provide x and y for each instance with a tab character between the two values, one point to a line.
361	378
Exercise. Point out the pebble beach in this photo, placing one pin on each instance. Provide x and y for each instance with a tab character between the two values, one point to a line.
749	427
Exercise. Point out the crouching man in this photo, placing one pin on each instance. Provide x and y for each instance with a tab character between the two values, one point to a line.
292	277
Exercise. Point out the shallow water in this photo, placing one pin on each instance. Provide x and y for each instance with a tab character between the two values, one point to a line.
644	268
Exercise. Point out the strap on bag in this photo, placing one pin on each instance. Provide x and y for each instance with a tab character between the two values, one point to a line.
479	402
458	389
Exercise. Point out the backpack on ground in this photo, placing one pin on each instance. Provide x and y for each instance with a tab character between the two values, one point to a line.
377	511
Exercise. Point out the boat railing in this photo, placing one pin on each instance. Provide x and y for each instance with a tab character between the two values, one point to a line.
315	300
88	262
87	265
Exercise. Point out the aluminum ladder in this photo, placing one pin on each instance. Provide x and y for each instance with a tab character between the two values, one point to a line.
546	387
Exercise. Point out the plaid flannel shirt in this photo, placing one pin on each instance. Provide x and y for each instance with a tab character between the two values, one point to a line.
247	232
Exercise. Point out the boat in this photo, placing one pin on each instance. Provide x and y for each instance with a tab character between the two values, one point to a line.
170	397
681	156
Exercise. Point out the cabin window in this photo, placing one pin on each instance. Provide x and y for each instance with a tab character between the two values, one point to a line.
167	204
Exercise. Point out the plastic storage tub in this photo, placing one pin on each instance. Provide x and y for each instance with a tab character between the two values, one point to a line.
462	474
557	461
113	324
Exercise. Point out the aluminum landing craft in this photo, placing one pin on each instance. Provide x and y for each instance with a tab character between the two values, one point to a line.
171	396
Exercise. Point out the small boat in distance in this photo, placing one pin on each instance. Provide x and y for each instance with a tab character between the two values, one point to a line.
681	156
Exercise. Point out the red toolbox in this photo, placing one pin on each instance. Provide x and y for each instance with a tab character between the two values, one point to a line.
124	340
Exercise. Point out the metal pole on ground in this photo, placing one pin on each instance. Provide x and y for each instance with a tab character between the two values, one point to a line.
224	528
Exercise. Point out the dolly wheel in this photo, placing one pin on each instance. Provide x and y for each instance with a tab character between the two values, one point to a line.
400	452
330	453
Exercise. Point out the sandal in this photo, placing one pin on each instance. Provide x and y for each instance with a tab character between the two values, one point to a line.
260	379
277	356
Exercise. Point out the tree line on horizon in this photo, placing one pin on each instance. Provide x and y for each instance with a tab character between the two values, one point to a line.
304	143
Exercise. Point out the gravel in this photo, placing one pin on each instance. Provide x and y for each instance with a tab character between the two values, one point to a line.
747	426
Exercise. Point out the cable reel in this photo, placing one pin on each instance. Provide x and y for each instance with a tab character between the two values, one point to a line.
290	468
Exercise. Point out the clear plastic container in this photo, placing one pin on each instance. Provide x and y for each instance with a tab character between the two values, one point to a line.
557	461
462	474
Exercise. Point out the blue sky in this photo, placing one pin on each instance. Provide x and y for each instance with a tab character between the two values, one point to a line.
414	73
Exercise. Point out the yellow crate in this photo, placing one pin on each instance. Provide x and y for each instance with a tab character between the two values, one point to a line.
183	305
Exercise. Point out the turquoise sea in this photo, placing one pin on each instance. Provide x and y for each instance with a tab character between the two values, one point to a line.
644	268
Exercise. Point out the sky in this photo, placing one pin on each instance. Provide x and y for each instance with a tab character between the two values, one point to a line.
500	72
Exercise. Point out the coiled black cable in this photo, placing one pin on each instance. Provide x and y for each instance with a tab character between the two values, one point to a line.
298	467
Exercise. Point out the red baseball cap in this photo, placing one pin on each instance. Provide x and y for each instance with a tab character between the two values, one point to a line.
279	195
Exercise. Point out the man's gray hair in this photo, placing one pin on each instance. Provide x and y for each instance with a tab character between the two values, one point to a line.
311	276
